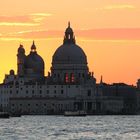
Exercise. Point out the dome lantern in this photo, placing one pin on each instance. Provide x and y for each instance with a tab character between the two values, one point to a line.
69	37
33	47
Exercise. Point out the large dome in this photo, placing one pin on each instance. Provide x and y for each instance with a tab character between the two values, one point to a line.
69	62
69	52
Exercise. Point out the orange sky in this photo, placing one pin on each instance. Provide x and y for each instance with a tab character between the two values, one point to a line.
107	30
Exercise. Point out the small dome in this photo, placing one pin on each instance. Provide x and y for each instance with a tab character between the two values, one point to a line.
21	49
35	62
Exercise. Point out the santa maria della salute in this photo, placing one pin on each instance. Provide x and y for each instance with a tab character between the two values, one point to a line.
69	86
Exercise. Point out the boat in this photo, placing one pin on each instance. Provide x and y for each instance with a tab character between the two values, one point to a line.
15	115
4	115
75	113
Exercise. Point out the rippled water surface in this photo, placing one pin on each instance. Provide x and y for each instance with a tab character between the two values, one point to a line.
73	128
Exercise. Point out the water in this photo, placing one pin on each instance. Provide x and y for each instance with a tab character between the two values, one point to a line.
70	128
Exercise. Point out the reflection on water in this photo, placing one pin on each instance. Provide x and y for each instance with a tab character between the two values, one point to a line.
73	128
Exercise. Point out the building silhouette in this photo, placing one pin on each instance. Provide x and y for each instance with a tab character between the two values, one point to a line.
69	86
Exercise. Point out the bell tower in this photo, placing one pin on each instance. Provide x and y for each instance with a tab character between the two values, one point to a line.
20	60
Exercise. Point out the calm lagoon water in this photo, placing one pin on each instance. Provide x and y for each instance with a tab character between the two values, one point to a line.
70	128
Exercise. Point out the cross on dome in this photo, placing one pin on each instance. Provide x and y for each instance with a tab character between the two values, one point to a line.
69	24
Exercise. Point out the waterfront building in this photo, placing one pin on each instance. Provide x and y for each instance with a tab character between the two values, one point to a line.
68	86
125	96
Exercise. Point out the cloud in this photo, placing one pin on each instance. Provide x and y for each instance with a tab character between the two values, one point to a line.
36	34
21	18
34	19
11	39
41	14
117	6
38	17
113	34
6	39
18	24
93	34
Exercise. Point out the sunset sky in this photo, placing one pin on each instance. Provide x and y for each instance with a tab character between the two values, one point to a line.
107	30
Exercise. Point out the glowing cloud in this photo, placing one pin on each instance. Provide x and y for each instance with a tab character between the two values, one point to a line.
22	18
34	19
18	24
12	39
37	34
38	17
117	6
111	34
41	14
17	21
93	34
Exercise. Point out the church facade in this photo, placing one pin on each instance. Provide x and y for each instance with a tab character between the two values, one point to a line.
69	85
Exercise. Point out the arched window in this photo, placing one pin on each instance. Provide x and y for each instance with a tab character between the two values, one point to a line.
66	77
69	36
72	77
